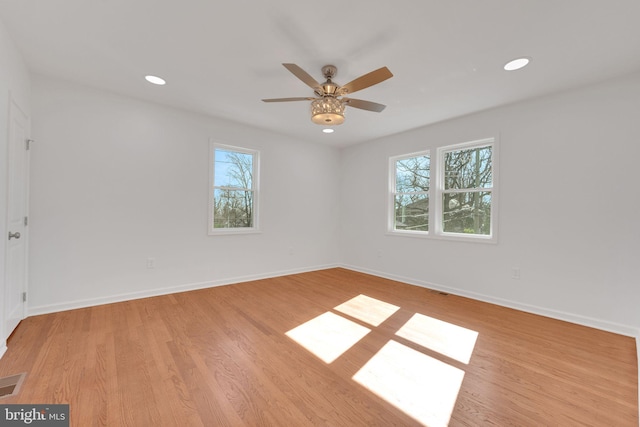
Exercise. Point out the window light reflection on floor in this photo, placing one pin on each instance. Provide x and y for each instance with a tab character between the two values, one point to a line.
424	388
445	338
421	386
328	336
369	310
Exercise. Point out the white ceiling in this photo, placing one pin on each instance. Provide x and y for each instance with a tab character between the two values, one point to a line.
222	58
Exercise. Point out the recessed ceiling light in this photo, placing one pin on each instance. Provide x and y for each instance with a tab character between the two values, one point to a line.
327	130
155	80
517	64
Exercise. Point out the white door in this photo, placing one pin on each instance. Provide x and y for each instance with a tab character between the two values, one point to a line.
17	204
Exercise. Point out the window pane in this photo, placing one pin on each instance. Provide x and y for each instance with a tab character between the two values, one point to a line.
233	169
412	212
467	212
468	168
412	174
232	208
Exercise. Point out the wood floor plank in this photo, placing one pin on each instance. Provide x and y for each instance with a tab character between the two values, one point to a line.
222	356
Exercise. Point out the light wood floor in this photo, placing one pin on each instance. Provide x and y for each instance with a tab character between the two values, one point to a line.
222	357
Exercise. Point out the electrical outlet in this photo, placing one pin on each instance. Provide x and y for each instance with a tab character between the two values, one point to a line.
151	262
515	273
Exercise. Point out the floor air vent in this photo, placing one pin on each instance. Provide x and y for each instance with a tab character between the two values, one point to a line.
10	386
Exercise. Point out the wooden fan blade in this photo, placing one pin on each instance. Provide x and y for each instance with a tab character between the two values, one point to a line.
369	79
287	99
304	76
364	105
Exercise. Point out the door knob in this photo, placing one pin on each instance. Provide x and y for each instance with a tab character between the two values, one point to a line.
15	235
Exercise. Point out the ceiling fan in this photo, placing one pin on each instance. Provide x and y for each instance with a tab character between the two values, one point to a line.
327	108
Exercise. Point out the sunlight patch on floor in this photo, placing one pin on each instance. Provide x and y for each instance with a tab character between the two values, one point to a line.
328	336
422	387
445	338
369	310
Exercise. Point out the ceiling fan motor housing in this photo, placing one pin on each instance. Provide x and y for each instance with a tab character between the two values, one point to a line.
329	71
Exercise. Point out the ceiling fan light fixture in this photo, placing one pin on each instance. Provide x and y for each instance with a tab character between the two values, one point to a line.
327	111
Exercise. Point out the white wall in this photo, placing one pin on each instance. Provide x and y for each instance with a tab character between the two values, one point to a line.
568	214
14	84
115	180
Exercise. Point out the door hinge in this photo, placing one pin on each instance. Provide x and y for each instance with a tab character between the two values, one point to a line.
24	297
28	144
26	221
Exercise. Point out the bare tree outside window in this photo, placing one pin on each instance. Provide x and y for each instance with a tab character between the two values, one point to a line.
233	189
459	205
411	200
468	185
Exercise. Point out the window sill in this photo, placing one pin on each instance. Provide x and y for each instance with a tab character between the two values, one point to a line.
229	231
444	236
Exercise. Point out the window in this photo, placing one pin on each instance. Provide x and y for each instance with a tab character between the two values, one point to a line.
461	202
466	189
233	189
411	192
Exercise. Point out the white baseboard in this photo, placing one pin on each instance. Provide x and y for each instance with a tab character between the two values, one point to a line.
554	314
569	317
3	350
71	305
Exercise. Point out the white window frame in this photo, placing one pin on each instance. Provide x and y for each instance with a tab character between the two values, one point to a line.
255	180
440	190
436	193
391	226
